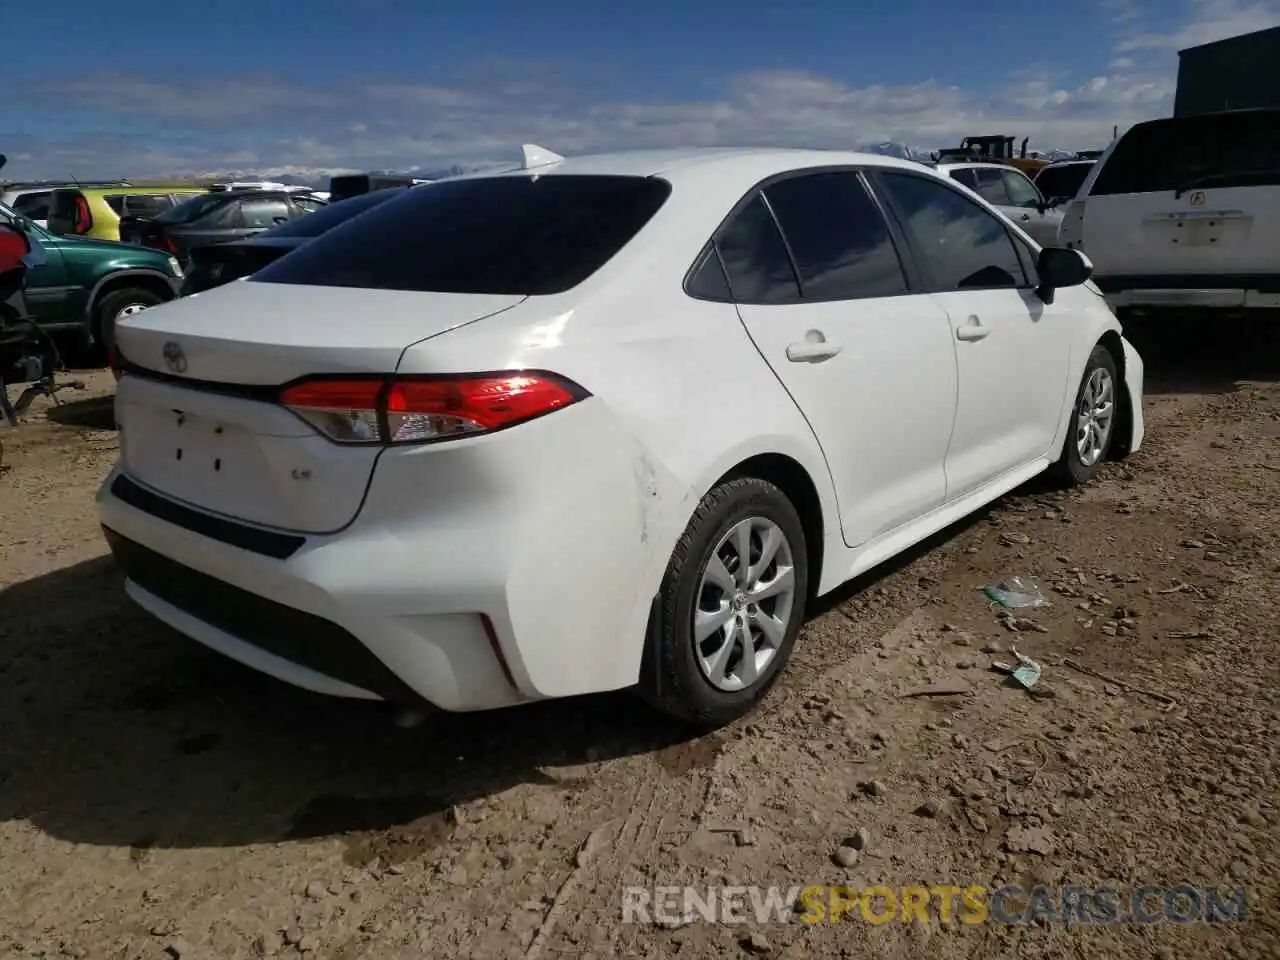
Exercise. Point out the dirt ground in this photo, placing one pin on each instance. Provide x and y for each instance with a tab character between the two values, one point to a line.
159	801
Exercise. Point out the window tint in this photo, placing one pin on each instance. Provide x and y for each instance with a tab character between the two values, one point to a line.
331	215
838	237
146	206
990	186
966	176
116	202
755	257
708	281
263	213
531	235
1237	149
189	211
960	245
1062	181
1021	192
34	205
307	204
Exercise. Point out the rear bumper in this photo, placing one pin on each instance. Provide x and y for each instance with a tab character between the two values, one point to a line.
1210	291
521	570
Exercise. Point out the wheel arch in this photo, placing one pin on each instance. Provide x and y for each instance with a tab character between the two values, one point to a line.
1122	441
791	477
152	280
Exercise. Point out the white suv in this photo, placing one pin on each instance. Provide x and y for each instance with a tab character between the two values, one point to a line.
1185	212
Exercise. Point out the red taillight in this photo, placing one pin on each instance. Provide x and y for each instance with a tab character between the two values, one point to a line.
170	244
425	409
84	219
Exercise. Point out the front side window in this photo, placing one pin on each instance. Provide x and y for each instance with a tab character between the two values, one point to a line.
966	176
838	238
960	245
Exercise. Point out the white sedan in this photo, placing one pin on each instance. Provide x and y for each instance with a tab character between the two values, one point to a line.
597	423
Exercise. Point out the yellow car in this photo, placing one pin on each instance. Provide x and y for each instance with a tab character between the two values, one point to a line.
96	211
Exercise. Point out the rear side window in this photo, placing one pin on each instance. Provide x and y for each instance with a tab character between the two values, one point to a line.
146	205
34	205
1021	192
116	202
1215	150
1063	181
755	256
263	213
193	209
960	245
524	235
838	238
990	186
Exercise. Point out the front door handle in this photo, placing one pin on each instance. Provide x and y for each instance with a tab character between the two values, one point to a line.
972	330
811	351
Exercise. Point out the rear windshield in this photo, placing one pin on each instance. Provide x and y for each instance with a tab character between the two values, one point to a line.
1063	181
1214	150
189	211
314	224
505	235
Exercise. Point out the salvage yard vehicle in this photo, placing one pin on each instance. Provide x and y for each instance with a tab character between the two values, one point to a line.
992	149
219	263
84	286
1009	191
217	217
96	212
597	423
1185	212
1059	182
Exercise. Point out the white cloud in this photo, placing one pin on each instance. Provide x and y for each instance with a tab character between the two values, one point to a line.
484	111
1210	20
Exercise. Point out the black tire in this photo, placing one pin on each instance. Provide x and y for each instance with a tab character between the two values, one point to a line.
671	678
1071	470
109	307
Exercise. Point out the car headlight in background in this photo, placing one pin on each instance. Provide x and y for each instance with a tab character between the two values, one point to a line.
175	266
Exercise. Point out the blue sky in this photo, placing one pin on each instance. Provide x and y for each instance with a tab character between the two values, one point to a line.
278	87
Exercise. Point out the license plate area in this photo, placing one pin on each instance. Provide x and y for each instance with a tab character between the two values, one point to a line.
1200	230
199	459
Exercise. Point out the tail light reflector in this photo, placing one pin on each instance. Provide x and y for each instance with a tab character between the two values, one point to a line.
394	410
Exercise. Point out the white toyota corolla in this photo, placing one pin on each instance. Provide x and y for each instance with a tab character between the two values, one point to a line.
597	423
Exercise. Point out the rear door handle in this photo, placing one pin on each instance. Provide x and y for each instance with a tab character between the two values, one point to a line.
972	329
812	351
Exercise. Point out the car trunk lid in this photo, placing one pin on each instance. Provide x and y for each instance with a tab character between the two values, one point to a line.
197	409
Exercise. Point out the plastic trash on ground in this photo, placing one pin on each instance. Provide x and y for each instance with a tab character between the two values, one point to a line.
1016	593
1027	672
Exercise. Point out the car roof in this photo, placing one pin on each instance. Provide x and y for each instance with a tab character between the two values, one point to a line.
700	162
973	165
128	191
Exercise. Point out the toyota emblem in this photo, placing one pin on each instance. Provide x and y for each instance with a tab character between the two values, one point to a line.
174	358
1197	198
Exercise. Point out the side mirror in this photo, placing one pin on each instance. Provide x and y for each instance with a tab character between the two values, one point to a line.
1059	267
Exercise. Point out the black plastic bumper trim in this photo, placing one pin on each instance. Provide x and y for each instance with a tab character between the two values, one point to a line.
294	635
279	546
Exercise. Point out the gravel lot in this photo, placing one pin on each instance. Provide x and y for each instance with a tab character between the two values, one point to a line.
157	800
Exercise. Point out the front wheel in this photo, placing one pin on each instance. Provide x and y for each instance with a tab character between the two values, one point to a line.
116	306
1093	420
730	606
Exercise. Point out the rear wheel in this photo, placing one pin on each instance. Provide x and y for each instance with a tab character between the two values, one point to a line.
1093	420
116	306
730	606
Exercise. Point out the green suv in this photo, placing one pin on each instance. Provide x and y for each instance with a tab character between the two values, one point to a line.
85	286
